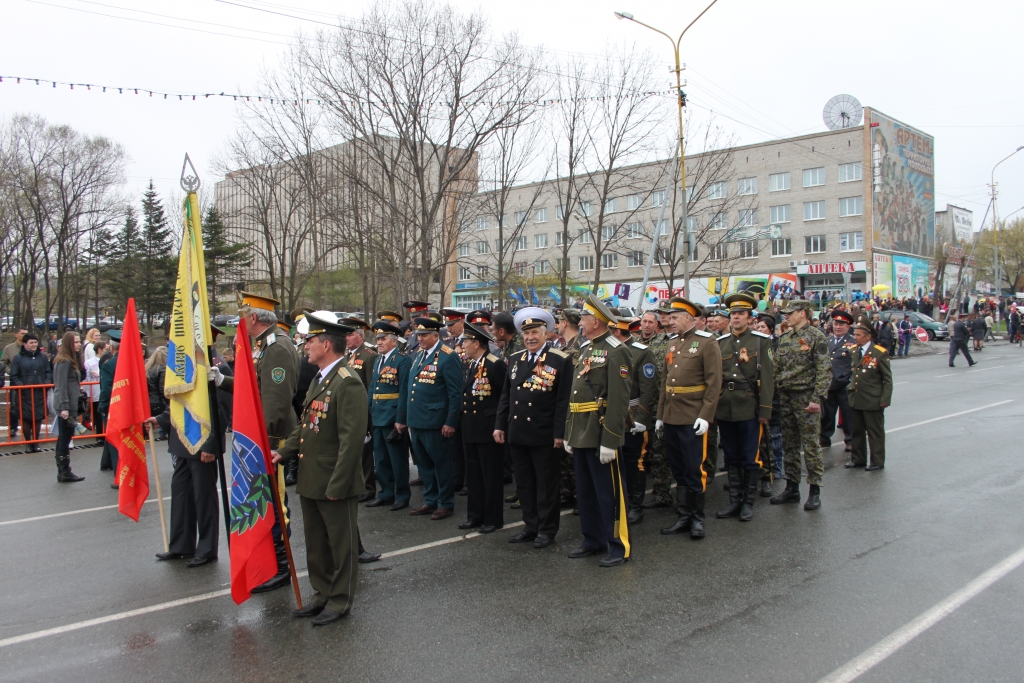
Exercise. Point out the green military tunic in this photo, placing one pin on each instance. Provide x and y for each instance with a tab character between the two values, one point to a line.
803	372
277	374
747	386
360	360
599	403
870	392
657	462
568	488
512	347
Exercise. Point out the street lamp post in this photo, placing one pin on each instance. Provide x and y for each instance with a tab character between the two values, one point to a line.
682	152
995	229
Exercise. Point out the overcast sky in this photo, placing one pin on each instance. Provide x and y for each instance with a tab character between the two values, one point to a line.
951	69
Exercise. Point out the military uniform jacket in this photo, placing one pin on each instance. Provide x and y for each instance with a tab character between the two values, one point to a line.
329	437
572	348
535	399
644	384
388	388
603	361
512	347
360	361
435	390
747	386
871	385
481	392
840	350
803	363
692	378
277	374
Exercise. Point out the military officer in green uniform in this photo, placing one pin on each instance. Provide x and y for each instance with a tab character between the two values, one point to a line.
360	356
595	428
329	444
661	494
803	372
567	324
870	395
745	405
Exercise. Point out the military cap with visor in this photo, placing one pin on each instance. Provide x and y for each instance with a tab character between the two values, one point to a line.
389	316
248	301
479	317
477	333
425	325
356	323
414	306
534	316
325	322
385	327
452	315
569	315
597	308
842	316
678	304
794	305
740	301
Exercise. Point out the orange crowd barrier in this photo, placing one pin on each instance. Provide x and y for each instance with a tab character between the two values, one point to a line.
23	405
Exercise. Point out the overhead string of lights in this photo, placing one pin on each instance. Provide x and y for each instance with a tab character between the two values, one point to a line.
279	101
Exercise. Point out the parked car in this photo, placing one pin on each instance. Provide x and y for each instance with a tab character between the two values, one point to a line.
6	322
109	322
936	330
55	323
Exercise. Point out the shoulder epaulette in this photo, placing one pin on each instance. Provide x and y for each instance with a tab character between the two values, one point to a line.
761	334
446	349
727	334
522	354
672	336
270	339
613	342
584	343
639	345
881	348
559	352
344	371
491	357
370	346
703	333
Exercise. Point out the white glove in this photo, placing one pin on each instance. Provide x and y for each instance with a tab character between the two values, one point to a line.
214	375
368	439
567	447
607	455
700	426
638	428
659	425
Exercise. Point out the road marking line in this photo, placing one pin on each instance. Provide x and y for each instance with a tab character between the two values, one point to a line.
899	383
889	645
71	512
943	417
969	372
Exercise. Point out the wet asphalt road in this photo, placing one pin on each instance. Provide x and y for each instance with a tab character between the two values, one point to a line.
790	596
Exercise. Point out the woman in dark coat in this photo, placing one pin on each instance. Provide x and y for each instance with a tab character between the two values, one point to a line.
66	390
31	366
977	330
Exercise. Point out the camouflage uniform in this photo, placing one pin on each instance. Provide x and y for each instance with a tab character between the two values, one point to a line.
514	346
657	463
803	372
568	492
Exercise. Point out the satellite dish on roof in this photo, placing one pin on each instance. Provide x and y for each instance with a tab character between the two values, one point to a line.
842	111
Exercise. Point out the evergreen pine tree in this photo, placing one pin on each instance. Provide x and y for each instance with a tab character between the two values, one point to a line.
155	284
225	261
122	267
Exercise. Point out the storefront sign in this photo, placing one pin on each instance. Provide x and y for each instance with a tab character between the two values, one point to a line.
835	267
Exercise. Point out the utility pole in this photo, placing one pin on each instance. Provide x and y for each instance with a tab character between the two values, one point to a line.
996	266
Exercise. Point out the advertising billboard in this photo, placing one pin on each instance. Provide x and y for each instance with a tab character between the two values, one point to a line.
909	276
883	270
903	187
963	224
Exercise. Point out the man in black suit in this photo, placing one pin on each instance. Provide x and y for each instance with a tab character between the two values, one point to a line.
531	417
481	392
958	344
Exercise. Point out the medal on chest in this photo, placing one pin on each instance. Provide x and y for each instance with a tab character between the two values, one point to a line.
481	383
543	376
317	411
388	375
694	347
428	374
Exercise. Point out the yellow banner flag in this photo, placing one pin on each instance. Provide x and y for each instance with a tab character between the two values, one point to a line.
185	383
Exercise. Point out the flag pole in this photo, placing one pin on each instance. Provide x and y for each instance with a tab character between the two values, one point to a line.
159	491
284	537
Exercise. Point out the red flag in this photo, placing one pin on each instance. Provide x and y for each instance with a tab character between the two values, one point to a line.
252	500
129	408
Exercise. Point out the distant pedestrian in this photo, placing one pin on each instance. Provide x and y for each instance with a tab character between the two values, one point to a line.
31	367
958	344
906	332
66	390
92	374
870	395
10	351
990	326
977	327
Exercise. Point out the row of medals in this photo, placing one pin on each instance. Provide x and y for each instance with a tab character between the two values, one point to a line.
318	411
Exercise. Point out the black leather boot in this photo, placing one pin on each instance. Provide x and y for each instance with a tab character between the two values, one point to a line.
64	473
736	479
283	576
697	505
813	498
635	498
790	495
685	514
291	472
766	487
748	494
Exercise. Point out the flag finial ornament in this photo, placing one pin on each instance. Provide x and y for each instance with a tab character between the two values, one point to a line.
189	177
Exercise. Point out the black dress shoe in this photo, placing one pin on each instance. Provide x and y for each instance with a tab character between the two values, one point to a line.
577	553
515	506
609	561
653	503
848	448
469	525
542	541
514	498
416	482
310	610
277	581
290	480
522	537
363	497
851	465
367	558
327	616
872	468
462	492
114	486
172	556
576	512
399	506
682	525
488	529
766	488
377	503
566	502
199	562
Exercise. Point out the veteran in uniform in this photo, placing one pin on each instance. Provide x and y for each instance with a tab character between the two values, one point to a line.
481	392
455	324
307	371
745	405
329	444
431	414
690	387
661	488
531	419
415	309
643	405
360	357
388	387
870	395
803	372
567	323
595	428
840	348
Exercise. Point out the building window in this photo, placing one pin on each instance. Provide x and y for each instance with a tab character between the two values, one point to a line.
814	177
464	249
661	257
718	222
851	241
586	262
586	208
814	244
814	211
693	223
748	217
503	221
716	190
634	201
719	252
481	247
482	223
746	186
662	227
779	214
559	239
849	173
586	237
635	259
497	245
464	273
560	211
520	217
748	249
610	260
658	197
634	231
540	216
607	232
481	272
520	268
521	243
609	206
851	206
782	247
466	226
540	241
778	181
565	264
540	268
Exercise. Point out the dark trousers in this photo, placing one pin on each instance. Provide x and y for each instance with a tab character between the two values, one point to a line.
14	398
868	425
687	454
433	458
538	481
369	478
634	455
961	347
332	550
194	508
485	481
458	461
601	499
741	441
65	430
391	460
837	399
